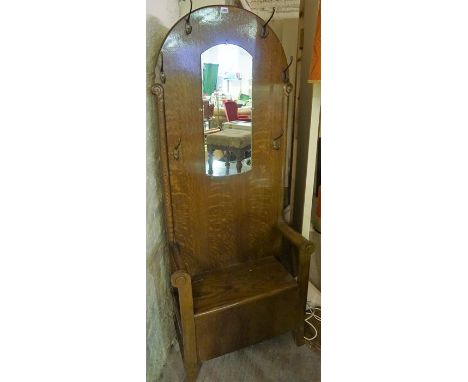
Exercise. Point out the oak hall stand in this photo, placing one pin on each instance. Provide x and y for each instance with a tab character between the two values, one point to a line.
226	233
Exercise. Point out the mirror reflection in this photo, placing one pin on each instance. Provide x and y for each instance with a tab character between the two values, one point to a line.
227	109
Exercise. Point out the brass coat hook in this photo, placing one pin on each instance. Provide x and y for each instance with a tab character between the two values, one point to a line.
188	27
265	32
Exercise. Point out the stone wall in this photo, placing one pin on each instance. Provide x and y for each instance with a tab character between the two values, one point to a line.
160	331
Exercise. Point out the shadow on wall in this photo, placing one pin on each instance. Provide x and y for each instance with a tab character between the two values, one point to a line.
160	331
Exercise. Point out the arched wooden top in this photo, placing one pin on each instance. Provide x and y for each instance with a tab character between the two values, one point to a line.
211	15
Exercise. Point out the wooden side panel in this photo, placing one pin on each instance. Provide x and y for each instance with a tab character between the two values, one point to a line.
220	221
228	330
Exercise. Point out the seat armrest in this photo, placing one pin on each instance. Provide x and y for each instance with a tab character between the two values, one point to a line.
305	249
182	280
295	238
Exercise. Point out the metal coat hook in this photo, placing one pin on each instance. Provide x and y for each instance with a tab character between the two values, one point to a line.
162	75
265	32
188	27
176	153
288	86
276	143
286	71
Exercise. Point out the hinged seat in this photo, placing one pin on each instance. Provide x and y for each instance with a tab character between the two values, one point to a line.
239	284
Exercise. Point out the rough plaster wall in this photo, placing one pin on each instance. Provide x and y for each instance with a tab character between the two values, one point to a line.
160	330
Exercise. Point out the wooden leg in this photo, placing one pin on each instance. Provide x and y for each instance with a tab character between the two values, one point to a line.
191	371
182	281
210	160
227	157
305	251
299	335
239	157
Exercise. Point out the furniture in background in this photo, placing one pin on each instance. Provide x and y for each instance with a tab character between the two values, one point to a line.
229	141
208	110
238	125
239	272
220	115
230	108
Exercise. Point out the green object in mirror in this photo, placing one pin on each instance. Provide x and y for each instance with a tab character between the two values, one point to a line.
227	109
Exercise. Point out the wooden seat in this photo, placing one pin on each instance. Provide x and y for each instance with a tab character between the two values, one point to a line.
243	304
239	284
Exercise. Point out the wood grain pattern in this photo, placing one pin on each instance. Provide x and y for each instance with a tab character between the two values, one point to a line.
158	91
183	282
239	284
242	325
236	213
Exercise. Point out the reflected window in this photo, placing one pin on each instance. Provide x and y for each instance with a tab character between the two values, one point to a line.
227	109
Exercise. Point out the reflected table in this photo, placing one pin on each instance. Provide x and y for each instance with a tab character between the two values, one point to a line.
230	141
238	125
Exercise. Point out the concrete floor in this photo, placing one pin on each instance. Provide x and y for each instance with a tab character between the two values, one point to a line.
275	360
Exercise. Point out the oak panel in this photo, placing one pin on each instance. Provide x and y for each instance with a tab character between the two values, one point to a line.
239	284
224	331
221	221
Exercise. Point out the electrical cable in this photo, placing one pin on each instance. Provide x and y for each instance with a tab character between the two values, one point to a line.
310	314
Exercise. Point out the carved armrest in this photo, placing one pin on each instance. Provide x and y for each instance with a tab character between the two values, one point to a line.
182	280
305	249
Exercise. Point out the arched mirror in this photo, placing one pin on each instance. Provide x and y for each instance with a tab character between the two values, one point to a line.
227	109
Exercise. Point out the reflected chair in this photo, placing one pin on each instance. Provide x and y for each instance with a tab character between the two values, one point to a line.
230	108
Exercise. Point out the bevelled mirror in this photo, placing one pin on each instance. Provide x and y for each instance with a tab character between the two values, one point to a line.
227	109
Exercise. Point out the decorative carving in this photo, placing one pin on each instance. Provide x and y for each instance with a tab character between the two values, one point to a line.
158	91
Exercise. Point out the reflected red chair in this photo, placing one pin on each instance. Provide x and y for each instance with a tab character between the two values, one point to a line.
230	108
